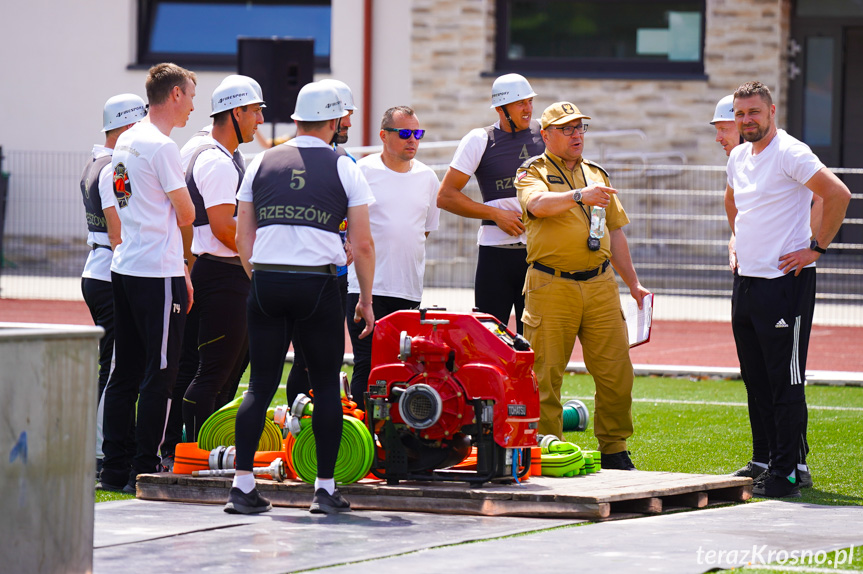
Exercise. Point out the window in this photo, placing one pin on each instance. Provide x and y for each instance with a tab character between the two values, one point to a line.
201	32
601	38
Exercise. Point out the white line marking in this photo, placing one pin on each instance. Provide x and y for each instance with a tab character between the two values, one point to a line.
717	403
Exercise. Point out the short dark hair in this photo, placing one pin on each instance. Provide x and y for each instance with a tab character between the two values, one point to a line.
162	78
387	121
313	126
750	89
222	117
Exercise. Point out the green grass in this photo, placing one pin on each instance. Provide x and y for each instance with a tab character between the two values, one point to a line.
715	439
674	432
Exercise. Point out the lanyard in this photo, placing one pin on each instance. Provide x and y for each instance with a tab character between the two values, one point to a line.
566	179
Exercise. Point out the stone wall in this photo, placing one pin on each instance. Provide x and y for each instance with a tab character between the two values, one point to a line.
453	69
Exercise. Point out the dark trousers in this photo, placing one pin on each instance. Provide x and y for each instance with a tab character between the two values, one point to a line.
382	307
298	379
149	315
284	307
499	282
221	291
188	368
99	297
771	320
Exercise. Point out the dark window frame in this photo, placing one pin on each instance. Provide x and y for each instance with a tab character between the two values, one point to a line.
146	57
594	67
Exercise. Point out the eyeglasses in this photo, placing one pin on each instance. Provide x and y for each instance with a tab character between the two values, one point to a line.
569	130
406	133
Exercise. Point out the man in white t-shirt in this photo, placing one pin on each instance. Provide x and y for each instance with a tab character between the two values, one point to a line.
152	291
492	155
402	216
291	203
103	234
221	284
771	179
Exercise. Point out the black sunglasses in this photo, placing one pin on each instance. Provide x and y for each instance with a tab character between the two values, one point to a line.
406	133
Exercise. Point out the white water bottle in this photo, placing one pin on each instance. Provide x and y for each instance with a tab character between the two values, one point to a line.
597	222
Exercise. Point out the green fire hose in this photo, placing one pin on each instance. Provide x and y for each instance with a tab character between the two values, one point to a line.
354	460
218	430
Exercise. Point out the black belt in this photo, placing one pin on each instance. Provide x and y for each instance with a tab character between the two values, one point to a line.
508	246
229	260
575	276
100	246
315	269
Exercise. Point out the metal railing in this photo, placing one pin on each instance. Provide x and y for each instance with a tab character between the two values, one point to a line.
678	234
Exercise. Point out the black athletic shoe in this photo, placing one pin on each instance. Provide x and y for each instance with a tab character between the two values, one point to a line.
326	503
751	470
617	461
775	486
241	503
128	488
98	469
804	478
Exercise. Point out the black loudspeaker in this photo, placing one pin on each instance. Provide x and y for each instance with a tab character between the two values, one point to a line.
282	66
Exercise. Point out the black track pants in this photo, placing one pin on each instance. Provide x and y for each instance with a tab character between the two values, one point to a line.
499	282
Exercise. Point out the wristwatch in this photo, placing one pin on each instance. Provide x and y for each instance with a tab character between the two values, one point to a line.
576	196
815	247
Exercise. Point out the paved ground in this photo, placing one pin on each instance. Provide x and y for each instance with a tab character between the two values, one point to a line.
161	537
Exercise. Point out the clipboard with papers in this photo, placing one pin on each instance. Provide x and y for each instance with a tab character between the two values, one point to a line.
638	321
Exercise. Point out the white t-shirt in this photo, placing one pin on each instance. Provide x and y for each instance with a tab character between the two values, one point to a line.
300	244
98	264
772	201
216	178
467	157
152	245
194	143
404	210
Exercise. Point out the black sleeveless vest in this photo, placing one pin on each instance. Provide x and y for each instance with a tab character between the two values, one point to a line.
299	186
237	157
504	153
90	194
197	199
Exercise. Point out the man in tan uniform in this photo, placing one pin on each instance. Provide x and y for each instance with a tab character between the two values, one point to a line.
569	289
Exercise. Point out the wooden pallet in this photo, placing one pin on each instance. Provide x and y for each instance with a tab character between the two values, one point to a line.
608	494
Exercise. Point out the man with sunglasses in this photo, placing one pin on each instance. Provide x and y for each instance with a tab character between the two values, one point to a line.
570	291
492	154
403	214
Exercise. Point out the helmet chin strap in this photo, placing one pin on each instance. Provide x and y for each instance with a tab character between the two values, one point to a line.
334	139
509	119
236	128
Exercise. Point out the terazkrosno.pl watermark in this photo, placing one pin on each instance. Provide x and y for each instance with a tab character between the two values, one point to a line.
764	555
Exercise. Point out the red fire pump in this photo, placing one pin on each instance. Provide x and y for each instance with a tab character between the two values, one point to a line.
442	383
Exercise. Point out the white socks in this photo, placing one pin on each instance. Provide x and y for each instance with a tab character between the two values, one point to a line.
245	482
328	484
760	465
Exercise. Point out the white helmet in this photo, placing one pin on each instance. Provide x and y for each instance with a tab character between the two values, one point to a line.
344	92
122	110
316	103
724	110
249	79
510	88
234	92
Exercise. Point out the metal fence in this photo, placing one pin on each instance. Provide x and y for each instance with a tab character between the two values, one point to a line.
678	237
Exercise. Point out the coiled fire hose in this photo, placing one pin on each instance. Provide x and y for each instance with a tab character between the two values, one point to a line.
218	430
576	416
561	458
356	451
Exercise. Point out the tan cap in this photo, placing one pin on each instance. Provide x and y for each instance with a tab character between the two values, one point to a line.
560	113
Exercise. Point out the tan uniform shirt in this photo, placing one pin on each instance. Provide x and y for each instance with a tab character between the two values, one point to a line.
560	241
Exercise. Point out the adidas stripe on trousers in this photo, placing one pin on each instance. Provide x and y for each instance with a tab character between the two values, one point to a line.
771	320
149	318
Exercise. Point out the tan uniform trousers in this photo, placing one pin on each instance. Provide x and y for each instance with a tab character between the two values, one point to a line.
556	311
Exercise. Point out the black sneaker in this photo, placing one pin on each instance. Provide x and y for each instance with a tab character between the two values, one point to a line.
804	478
98	469
775	486
128	488
617	461
751	470
241	503
326	503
